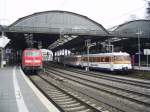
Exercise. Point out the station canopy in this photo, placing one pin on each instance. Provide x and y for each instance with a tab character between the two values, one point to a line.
55	28
127	36
134	29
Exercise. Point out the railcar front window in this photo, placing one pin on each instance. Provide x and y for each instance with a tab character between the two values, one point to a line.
122	58
127	58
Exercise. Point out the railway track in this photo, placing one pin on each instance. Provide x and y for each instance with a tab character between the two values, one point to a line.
125	80
64	99
134	99
131	81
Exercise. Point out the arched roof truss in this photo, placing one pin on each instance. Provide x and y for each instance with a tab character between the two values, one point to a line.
134	28
58	22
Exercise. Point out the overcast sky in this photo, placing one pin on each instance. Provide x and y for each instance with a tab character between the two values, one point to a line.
106	12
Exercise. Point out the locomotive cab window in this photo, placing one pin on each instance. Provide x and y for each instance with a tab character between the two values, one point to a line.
32	53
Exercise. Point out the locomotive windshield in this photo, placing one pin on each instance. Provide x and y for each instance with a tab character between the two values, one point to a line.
30	53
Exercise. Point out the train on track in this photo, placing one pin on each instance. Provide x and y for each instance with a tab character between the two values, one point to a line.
32	60
116	61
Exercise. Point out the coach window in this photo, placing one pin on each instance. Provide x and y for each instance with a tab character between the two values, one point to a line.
95	59
79	59
114	58
82	59
102	59
91	59
98	59
107	59
85	58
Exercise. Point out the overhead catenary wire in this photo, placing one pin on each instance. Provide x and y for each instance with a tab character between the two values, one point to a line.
123	15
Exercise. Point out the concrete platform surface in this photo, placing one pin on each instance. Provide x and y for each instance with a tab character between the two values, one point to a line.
18	94
141	68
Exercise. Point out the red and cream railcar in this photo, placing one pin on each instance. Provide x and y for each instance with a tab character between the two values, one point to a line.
32	59
117	61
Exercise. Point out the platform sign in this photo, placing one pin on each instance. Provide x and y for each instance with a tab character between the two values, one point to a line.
3	41
8	51
146	51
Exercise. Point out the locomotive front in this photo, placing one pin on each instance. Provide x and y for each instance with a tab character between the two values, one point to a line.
32	60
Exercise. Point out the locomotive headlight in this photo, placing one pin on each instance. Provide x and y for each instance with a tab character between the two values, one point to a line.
28	61
37	61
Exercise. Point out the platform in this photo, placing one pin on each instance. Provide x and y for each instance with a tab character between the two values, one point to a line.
141	68
18	94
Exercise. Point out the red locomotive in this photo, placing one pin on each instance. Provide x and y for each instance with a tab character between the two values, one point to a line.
32	59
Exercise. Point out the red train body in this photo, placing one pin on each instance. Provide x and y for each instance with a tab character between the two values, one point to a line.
32	59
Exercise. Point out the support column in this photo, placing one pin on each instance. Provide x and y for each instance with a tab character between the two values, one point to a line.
54	54
67	52
1	53
64	52
1	57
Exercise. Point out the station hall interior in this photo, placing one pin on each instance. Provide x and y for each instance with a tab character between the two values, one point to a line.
61	31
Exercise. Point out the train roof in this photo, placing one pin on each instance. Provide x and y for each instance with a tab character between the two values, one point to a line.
73	56
110	54
102	54
31	49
